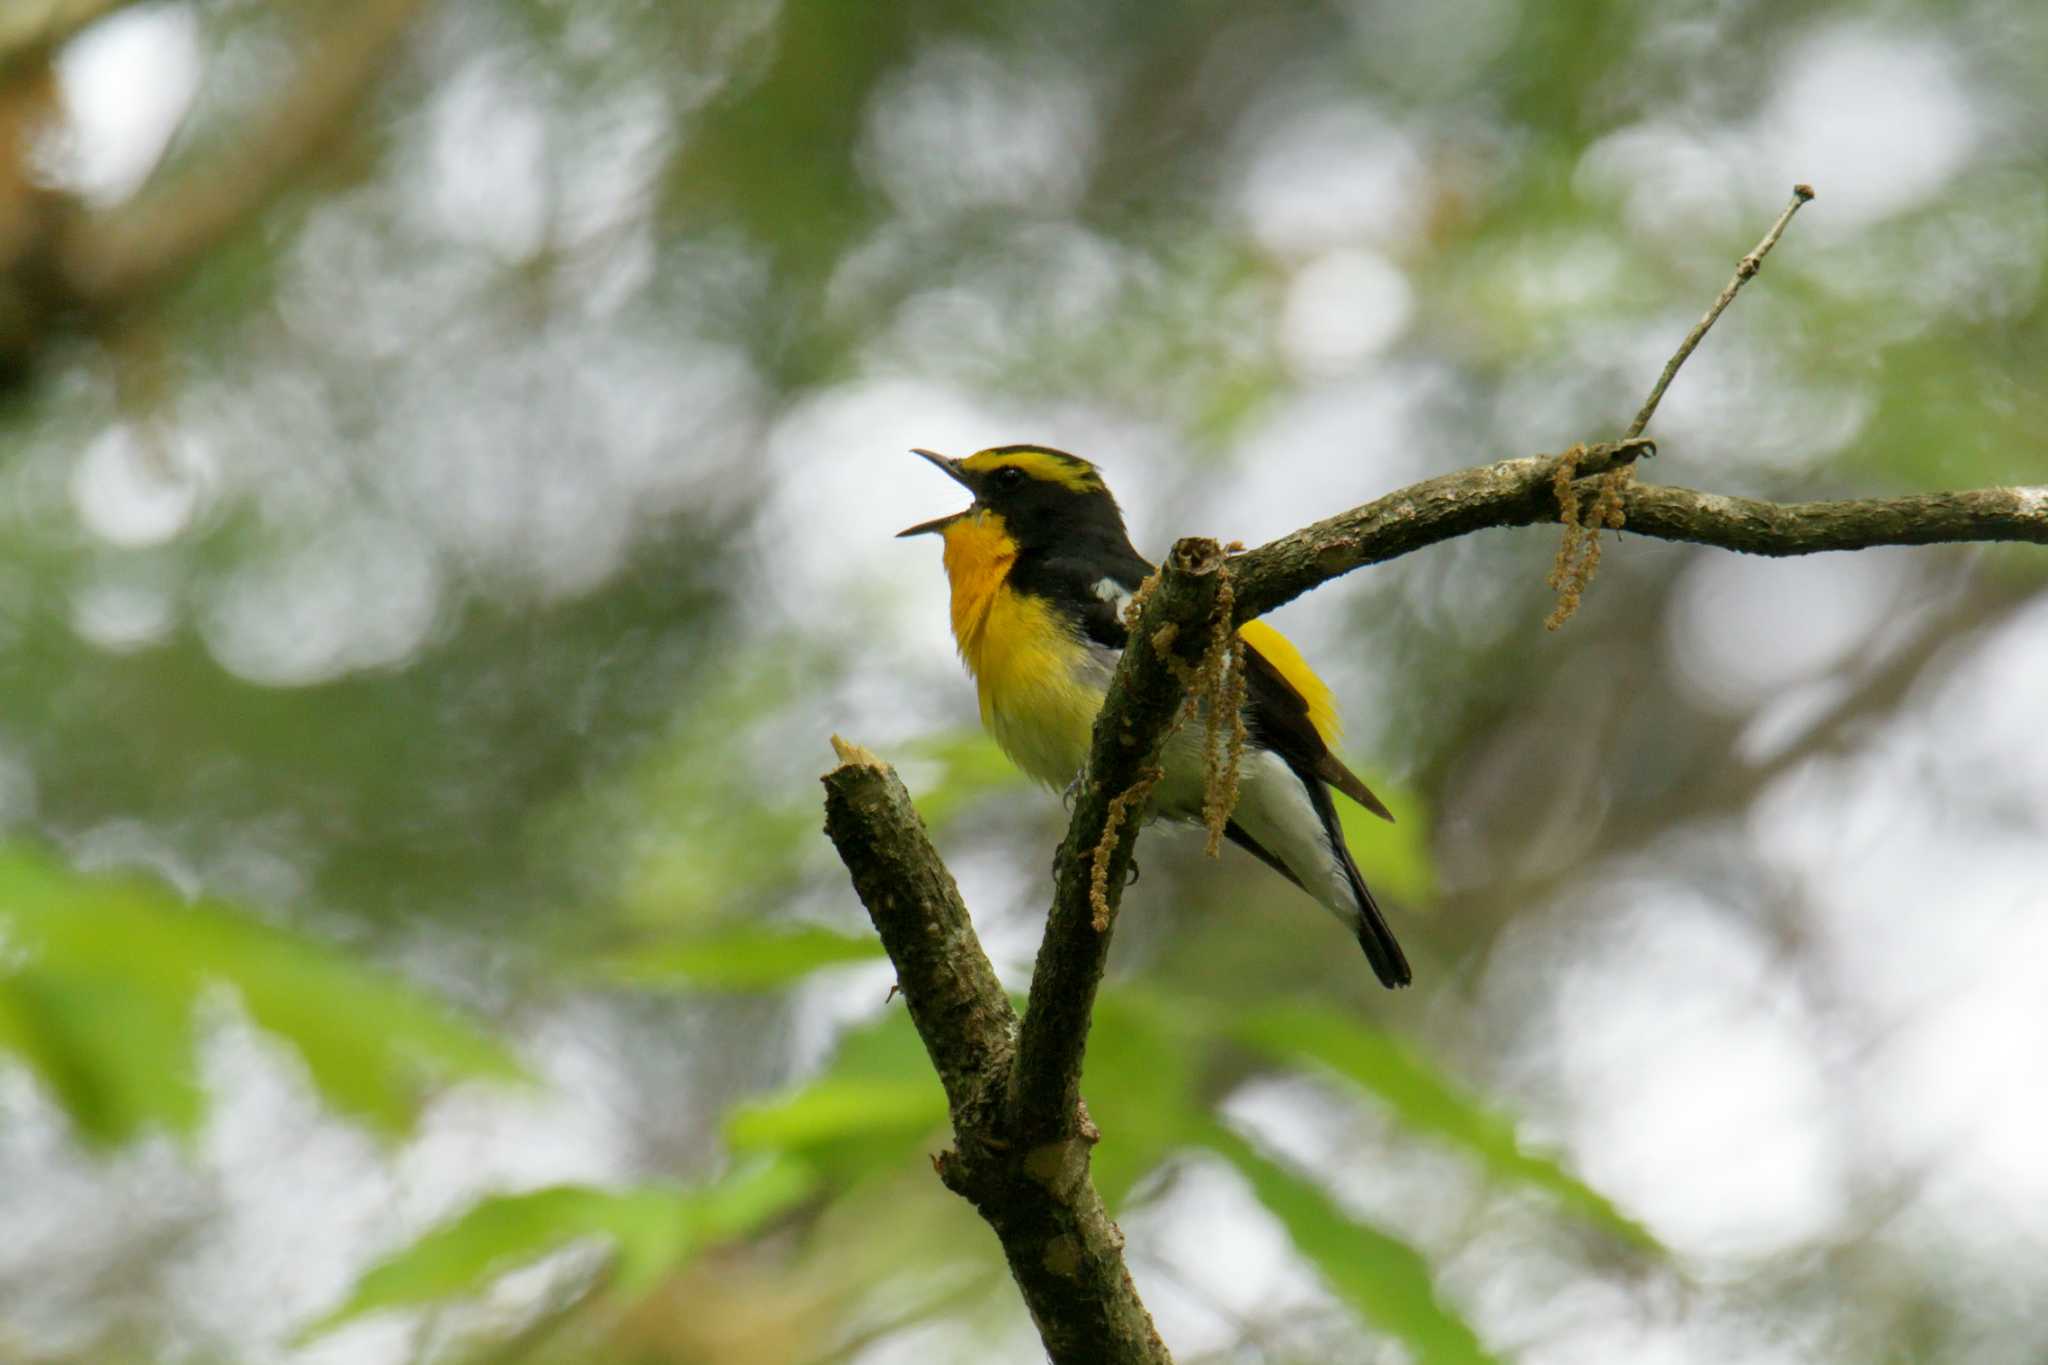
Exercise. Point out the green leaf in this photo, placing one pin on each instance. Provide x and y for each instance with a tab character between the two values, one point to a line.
1139	1088
743	957
704	840
969	767
1424	1099
653	1231
117	1060
873	1109
101	978
368	1040
1387	1281
834	1109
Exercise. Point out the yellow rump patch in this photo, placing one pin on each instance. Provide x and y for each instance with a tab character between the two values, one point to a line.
1287	661
1052	466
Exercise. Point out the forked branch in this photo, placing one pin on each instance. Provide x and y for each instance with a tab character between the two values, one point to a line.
1022	1138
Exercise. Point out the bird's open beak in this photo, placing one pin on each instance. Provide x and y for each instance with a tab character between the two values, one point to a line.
952	468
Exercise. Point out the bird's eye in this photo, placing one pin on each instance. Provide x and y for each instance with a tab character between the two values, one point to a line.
1009	476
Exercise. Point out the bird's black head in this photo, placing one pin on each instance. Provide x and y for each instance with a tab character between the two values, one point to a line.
1046	499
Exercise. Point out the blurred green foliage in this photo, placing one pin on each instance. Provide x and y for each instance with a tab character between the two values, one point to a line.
744	958
651	1232
1382	1277
101	998
877	1107
449	568
1425	1101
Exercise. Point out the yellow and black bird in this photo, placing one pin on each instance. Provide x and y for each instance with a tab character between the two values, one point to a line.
1041	567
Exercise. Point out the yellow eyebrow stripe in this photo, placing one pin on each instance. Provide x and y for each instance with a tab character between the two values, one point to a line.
1052	466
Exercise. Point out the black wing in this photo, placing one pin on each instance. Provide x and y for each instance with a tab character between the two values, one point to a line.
1277	717
1090	589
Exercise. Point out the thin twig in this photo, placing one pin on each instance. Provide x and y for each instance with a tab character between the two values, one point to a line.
1578	553
1744	268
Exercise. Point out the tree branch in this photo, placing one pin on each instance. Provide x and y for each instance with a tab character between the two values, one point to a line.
1519	493
1062	1249
955	999
1804	528
1510	493
1144	697
1013	1087
30	29
1022	1136
112	258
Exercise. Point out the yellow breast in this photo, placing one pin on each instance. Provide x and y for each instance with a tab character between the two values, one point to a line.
1040	684
1033	674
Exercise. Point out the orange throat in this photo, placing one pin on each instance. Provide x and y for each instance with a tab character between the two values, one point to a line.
979	553
1031	671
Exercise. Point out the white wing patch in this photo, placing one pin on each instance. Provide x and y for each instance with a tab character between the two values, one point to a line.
1112	592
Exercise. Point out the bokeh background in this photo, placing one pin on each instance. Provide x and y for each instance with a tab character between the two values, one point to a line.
449	454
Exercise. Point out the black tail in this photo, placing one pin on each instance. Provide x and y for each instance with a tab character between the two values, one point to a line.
1389	963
